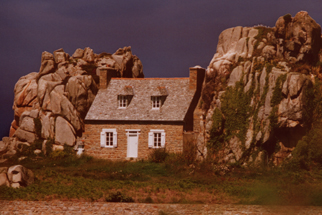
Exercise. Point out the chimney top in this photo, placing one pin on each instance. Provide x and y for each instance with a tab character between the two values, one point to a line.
197	74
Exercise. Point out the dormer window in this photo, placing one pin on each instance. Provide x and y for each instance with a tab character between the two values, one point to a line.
158	97
125	96
122	101
156	102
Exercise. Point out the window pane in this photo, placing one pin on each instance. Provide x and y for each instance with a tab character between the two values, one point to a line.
157	139
122	101
156	101
109	138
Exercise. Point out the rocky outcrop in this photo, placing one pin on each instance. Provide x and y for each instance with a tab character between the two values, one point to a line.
299	38
16	176
257	90
65	133
52	103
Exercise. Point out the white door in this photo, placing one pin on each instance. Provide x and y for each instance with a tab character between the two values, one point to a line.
132	144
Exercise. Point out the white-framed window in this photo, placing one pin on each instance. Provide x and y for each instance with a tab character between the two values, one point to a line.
122	101
156	138
156	102
108	138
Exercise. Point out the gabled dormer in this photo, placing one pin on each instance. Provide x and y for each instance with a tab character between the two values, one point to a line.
158	97
124	97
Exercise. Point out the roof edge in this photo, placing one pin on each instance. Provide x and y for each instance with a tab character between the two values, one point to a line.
150	78
102	121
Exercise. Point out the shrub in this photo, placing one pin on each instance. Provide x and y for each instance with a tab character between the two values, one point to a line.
158	155
118	197
38	127
37	144
69	150
190	152
301	68
148	200
49	145
318	64
277	93
308	151
216	132
262	33
236	109
24	150
258	65
58	154
176	162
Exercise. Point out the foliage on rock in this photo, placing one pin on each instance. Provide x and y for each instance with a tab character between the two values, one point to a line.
277	98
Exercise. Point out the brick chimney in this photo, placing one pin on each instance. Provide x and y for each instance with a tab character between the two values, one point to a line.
197	75
196	78
105	74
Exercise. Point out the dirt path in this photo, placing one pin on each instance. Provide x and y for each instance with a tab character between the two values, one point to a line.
69	207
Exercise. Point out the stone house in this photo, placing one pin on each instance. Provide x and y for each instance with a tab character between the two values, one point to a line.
132	116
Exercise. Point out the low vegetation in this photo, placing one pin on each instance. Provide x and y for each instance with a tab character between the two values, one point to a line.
176	179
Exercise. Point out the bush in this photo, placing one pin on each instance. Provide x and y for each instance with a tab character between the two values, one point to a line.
49	146
158	155
308	151
58	154
38	127
118	197
190	152
176	162
301	68
235	106
148	200
24	150
37	144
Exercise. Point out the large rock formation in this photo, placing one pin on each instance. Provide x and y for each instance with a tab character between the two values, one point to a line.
52	103
256	95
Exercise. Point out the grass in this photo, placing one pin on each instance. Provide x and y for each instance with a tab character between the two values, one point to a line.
92	179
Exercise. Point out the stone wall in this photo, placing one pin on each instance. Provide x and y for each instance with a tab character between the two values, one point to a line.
91	137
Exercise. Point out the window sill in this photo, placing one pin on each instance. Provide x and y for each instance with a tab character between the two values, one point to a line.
108	147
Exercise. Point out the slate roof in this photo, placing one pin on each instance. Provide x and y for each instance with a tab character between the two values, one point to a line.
176	92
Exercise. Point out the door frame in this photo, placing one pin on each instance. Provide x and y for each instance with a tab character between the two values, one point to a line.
132	133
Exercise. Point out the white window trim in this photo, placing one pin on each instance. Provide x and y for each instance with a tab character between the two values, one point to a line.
133	130
103	138
122	99
151	138
154	99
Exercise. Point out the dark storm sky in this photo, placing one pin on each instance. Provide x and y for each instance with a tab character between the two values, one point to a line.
169	36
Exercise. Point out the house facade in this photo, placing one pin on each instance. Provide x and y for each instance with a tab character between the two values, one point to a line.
132	116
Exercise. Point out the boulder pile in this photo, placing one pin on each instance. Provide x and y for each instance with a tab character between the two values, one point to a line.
256	95
52	103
